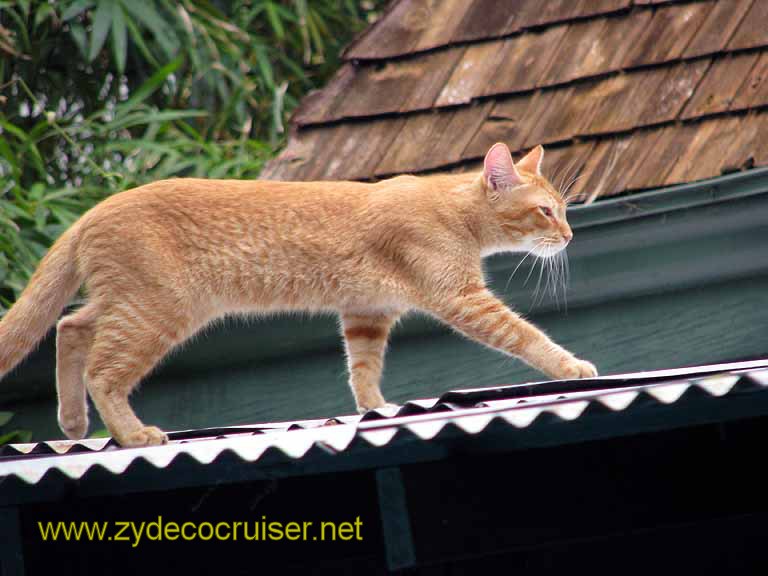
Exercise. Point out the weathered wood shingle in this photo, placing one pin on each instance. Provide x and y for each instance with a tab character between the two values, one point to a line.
625	94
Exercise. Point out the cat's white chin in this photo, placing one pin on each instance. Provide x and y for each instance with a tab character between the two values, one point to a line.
549	250
532	247
490	250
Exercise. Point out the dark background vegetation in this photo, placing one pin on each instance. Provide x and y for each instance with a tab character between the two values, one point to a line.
97	96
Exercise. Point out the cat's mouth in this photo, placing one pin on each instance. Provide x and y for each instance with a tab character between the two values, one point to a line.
549	248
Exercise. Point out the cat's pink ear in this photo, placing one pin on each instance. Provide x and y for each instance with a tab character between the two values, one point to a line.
531	162
499	170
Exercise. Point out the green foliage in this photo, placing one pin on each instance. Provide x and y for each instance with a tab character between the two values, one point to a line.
14	436
100	433
97	96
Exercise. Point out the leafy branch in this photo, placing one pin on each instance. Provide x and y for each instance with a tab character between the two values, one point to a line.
97	96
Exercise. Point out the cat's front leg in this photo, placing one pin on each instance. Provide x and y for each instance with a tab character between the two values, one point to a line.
477	313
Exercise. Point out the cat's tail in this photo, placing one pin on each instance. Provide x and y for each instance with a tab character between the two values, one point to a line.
53	284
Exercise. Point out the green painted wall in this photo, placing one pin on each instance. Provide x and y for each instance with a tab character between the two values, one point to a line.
659	289
704	325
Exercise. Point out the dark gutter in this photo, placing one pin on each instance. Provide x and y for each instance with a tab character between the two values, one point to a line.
685	196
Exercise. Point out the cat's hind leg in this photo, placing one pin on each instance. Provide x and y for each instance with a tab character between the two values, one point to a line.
128	342
365	340
74	336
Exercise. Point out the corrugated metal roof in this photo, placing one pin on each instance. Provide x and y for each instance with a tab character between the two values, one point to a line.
700	394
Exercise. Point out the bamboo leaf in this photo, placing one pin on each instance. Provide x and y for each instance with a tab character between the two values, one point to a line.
24	4
153	118
146	13
8	223
13	129
5	417
64	216
301	9
43	13
16	437
317	37
119	38
10	209
37	159
265	66
148	88
80	38
138	40
10	157
41	217
76	8
274	20
51	195
20	27
102	20
37	191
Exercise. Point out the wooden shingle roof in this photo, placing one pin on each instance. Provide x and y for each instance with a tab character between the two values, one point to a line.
631	94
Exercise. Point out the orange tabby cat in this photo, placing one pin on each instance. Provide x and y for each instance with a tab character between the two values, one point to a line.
162	260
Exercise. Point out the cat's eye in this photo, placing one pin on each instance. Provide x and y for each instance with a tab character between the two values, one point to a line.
547	211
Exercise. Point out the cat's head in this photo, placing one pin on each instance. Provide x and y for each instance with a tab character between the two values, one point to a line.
529	211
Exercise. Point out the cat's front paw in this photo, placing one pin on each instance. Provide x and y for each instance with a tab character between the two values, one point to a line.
573	368
146	436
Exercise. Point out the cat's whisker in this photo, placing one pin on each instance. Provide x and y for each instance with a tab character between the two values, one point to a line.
551	280
564	193
538	283
555	273
506	287
599	189
567	173
545	261
571	176
570	199
551	285
556	279
560	171
542	278
561	256
565	280
530	272
538	245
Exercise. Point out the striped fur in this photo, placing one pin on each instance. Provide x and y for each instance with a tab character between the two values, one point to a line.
365	341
